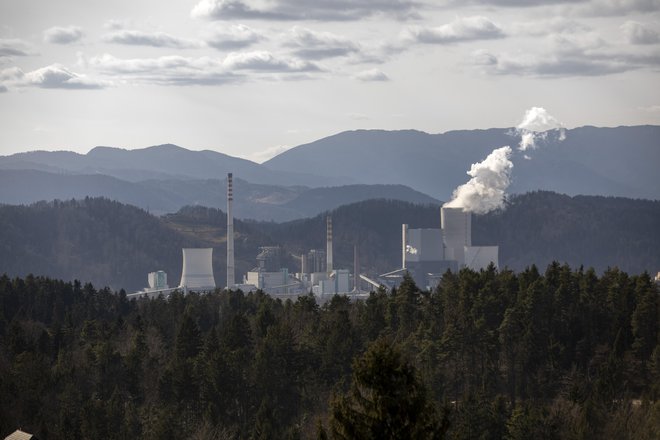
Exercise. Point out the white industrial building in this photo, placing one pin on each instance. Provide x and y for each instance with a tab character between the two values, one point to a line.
429	253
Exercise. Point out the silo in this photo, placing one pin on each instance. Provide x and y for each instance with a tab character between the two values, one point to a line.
456	233
197	273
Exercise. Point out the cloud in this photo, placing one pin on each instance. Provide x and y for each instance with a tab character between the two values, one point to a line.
613	8
266	61
63	35
54	76
153	39
461	29
3	89
638	33
554	25
179	70
372	75
651	109
294	10
233	37
13	47
567	55
314	45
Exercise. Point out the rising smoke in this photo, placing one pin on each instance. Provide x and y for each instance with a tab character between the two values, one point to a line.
486	190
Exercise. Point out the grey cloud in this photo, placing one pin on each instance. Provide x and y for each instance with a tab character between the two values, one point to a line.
13	47
233	37
309	44
638	33
554	25
178	70
3	89
153	39
293	10
604	8
566	64
63	35
372	75
461	29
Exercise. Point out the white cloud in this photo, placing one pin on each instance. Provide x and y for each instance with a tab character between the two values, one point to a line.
651	109
63	35
372	75
293	10
54	76
233	37
638	33
315	45
461	29
153	39
266	61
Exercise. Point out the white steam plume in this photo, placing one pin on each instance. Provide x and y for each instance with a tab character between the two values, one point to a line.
535	125
485	191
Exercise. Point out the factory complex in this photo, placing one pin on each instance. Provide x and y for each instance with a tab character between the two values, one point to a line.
426	254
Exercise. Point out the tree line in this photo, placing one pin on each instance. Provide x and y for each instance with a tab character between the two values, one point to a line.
493	354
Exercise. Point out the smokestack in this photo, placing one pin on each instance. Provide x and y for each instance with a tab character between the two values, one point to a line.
356	270
328	243
404	238
303	263
230	233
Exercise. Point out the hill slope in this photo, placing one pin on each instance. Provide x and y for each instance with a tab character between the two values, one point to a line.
117	245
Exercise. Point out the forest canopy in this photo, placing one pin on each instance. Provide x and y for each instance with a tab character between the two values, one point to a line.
563	353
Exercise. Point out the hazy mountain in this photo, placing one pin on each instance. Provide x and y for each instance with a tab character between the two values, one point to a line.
619	161
113	244
158	162
254	201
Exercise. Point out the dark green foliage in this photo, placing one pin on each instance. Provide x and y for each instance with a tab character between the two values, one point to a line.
386	400
562	353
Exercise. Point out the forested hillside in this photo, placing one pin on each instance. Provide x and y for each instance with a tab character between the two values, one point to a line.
116	245
561	354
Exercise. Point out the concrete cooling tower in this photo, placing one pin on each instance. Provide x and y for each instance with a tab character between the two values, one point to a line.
197	273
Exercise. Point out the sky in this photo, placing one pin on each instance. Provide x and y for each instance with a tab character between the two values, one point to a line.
251	78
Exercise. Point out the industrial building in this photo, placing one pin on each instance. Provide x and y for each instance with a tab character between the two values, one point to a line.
428	253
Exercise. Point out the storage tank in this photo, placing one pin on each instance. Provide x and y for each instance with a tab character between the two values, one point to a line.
197	270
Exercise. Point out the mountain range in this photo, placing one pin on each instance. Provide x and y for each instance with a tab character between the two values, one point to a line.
348	167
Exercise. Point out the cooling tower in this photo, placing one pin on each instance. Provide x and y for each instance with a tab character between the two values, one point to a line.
456	232
197	271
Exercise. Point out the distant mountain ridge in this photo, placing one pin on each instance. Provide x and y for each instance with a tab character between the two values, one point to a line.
619	161
253	201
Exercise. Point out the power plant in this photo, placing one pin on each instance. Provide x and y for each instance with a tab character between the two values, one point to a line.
426	254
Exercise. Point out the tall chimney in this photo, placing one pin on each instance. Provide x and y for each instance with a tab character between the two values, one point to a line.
356	269
230	233
328	243
404	243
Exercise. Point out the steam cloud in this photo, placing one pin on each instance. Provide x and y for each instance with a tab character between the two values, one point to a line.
486	190
535	125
